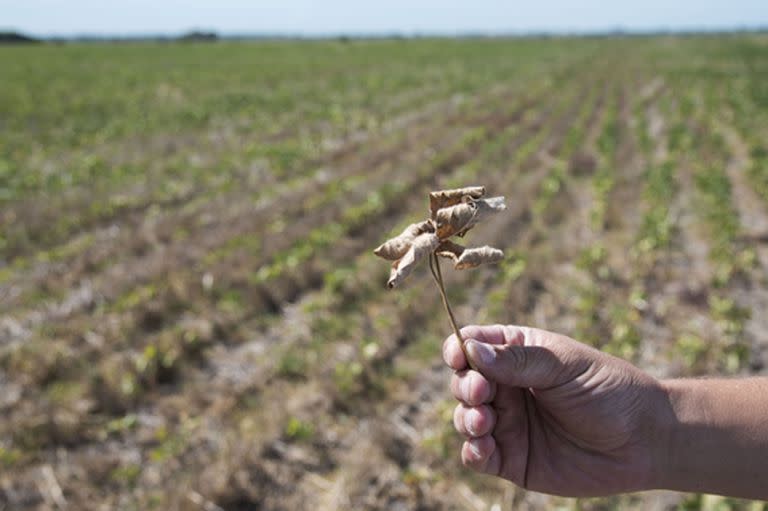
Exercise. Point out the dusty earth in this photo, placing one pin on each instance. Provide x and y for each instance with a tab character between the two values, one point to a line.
238	350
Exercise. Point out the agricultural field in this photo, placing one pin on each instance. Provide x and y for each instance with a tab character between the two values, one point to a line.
191	316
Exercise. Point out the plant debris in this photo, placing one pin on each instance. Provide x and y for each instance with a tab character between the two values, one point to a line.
452	213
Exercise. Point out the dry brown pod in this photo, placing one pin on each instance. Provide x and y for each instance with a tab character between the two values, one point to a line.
464	258
452	213
457	219
444	198
396	247
421	246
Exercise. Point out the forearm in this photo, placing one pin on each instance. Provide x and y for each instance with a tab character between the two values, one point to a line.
714	435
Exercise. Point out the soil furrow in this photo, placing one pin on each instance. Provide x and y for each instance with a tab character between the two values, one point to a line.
548	145
153	242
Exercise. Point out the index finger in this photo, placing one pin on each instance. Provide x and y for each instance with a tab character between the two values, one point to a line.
491	334
453	355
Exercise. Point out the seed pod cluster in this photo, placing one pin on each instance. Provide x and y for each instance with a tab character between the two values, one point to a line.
452	213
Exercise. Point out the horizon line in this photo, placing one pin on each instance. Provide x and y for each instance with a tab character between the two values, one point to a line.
394	33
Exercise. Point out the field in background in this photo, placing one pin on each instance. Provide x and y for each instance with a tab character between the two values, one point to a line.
190	313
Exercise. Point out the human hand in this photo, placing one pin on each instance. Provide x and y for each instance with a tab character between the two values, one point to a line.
553	415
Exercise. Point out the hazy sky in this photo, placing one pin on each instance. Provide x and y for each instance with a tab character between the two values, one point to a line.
66	17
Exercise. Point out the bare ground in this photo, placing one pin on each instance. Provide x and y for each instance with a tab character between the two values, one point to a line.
151	375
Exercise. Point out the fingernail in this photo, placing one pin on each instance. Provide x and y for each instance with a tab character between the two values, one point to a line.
475	448
481	351
472	417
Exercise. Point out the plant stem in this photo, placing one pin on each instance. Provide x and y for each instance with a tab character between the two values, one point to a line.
434	267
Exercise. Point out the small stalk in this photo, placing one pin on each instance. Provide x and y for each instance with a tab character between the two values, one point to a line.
434	267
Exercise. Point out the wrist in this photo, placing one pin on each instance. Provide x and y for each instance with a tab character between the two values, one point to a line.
681	418
665	430
713	437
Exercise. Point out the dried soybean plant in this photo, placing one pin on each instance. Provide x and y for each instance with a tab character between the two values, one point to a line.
452	213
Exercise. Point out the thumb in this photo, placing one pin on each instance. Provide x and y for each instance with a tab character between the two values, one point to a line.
516	365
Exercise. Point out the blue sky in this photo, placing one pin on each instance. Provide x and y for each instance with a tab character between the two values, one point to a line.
132	17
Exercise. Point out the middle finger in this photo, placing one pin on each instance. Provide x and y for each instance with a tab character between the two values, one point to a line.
472	388
474	421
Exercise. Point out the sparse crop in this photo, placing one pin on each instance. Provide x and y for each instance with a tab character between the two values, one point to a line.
185	273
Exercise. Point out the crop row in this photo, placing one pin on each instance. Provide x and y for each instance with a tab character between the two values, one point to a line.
242	217
364	372
346	375
158	361
169	181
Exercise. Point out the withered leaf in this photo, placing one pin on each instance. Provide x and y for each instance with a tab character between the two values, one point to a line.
487	207
445	198
396	247
421	247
